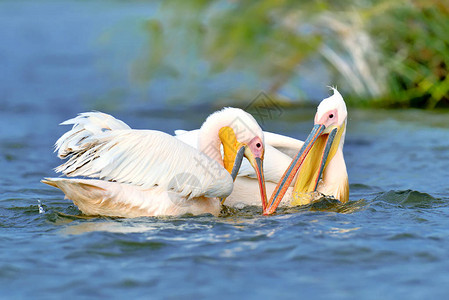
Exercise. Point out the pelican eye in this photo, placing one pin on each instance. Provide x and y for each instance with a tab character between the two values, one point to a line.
331	116
258	145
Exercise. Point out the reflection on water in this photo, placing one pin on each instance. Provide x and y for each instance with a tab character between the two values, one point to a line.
239	218
106	226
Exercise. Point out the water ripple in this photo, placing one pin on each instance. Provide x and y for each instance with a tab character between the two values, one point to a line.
409	199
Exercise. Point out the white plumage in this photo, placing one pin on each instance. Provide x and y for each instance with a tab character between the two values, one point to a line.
153	164
278	149
279	152
132	173
141	157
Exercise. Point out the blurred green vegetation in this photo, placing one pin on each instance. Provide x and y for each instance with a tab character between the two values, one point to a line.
378	53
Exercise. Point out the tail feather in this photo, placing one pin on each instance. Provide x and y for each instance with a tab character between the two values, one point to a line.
49	182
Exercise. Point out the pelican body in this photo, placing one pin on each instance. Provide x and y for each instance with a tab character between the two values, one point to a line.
320	160
132	173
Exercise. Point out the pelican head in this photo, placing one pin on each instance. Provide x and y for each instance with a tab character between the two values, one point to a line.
240	135
321	157
325	160
332	113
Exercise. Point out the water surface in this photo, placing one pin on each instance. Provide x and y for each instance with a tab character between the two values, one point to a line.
389	242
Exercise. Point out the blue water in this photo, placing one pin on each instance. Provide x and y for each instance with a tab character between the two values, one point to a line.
390	241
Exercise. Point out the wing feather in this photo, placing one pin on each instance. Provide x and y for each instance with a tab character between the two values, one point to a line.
274	165
285	144
279	151
188	137
147	158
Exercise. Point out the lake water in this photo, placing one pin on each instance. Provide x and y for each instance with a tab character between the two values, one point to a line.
391	241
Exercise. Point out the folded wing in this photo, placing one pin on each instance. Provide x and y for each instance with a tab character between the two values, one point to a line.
100	146
285	144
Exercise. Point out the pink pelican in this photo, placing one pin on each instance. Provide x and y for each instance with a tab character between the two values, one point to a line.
323	170
320	160
133	173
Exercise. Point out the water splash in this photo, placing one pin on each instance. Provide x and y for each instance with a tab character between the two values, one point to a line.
41	209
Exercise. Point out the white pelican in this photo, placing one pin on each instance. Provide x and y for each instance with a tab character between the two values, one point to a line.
150	173
299	188
320	158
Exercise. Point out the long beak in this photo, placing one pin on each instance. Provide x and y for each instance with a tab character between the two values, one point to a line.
256	162
327	149
237	162
293	168
233	152
314	166
234	161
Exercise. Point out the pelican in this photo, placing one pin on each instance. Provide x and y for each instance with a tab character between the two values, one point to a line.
320	159
323	159
133	173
